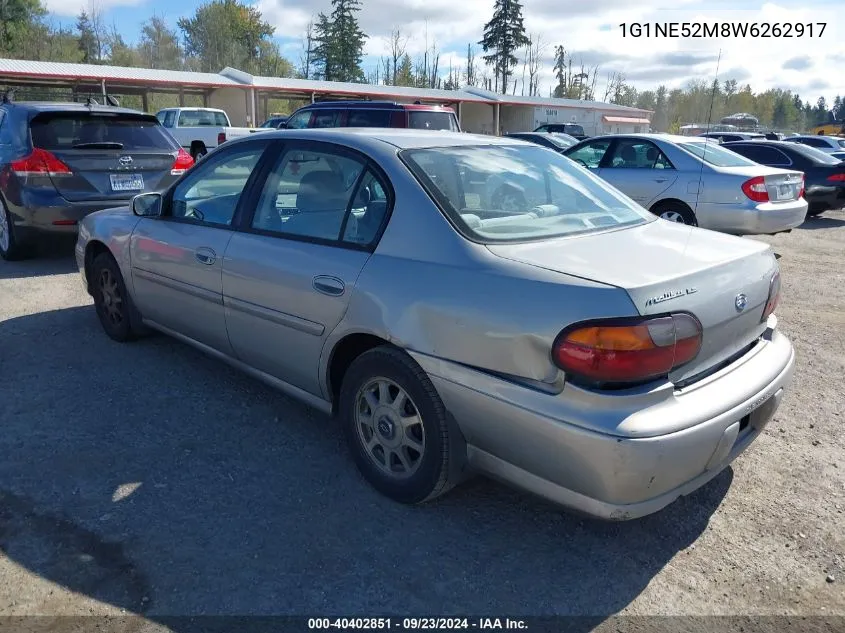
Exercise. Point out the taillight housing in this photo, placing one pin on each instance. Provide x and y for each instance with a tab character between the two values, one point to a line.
774	296
221	138
623	352
837	177
40	162
755	189
801	191
182	163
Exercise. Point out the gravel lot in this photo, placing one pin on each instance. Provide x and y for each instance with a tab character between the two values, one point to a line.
147	478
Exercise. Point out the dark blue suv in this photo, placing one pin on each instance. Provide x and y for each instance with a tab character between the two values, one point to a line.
61	161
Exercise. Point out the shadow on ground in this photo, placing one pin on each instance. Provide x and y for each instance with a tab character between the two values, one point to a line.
53	258
155	479
821	222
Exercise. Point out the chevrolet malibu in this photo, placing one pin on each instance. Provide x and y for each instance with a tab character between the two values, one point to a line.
579	348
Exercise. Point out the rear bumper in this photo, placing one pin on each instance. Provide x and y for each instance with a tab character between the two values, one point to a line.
527	438
760	219
823	198
60	218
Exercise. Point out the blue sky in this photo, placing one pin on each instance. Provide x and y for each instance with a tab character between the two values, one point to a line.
812	66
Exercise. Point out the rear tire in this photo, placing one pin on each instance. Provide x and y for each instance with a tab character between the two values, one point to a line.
675	211
198	151
402	439
10	247
115	310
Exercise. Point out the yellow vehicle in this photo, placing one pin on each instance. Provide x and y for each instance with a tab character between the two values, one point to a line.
829	129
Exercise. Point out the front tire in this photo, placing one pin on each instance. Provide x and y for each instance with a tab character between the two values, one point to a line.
397	428
675	211
114	306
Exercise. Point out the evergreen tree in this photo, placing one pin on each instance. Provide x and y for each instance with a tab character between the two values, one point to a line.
405	75
323	55
504	35
560	72
838	108
87	39
347	41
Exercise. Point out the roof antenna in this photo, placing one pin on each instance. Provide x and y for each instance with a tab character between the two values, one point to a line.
112	101
9	95
91	101
707	138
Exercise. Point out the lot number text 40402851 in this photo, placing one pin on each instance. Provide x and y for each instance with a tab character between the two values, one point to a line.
414	624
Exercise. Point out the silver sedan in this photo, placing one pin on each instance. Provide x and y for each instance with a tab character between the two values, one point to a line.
692	180
577	347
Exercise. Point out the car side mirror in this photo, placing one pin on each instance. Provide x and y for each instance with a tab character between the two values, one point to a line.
147	205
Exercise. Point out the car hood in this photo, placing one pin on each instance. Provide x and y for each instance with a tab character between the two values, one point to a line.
667	267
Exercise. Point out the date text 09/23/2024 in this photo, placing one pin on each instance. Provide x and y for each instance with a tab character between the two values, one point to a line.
416	624
711	30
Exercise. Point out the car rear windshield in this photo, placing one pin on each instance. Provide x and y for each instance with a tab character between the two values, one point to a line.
814	154
841	142
515	193
202	118
715	155
427	120
81	130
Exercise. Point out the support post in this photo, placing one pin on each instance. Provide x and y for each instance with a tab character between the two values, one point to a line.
145	102
181	98
496	129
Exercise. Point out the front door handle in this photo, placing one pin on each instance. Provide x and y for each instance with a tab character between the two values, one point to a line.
328	285
205	255
660	179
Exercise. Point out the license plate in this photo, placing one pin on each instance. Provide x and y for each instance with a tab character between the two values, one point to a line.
127	182
785	192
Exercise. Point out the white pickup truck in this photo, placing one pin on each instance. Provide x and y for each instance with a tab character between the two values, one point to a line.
200	130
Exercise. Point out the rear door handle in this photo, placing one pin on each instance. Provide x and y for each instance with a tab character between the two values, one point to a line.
329	285
660	179
205	255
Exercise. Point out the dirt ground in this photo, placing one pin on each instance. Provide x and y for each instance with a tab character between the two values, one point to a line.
148	479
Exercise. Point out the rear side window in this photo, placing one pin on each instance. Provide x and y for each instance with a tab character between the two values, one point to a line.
814	142
202	118
369	118
426	120
169	118
326	118
82	130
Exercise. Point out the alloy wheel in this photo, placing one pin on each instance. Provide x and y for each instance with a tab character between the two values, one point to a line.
110	299
390	427
673	216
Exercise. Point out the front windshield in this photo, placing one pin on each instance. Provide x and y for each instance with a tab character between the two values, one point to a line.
510	193
715	155
563	141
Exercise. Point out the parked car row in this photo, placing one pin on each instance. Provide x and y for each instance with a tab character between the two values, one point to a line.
564	340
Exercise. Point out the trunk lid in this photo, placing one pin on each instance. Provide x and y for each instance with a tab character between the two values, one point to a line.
782	185
110	156
667	267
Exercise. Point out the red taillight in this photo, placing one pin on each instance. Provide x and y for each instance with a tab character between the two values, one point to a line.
801	191
755	189
837	177
182	164
64	222
221	138
628	351
774	296
40	163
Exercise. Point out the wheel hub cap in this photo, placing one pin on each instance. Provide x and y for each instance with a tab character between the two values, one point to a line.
4	230
389	427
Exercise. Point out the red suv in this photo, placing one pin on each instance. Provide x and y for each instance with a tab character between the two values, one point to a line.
374	114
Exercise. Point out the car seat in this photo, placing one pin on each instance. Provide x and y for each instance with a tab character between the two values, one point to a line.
321	202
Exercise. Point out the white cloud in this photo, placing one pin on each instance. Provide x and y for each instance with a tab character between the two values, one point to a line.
72	8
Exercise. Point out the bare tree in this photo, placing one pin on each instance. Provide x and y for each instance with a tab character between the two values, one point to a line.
614	88
471	72
536	48
435	63
387	71
306	57
97	27
397	43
